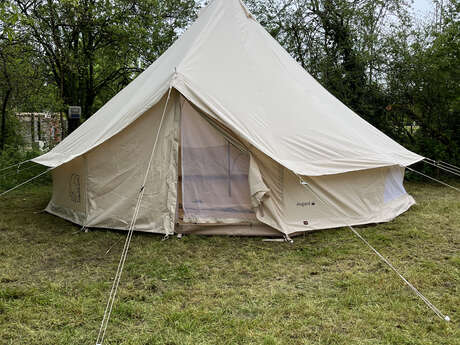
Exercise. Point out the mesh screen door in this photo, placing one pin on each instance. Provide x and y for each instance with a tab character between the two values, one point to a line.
215	185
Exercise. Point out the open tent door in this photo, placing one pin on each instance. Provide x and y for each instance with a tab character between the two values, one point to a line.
215	186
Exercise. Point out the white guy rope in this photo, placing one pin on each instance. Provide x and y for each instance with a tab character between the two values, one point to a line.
113	245
444	165
117	278
432	178
443	168
448	165
124	254
18	171
15	165
418	293
451	165
23	183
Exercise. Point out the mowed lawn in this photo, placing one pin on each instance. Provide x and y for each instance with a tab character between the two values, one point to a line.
326	288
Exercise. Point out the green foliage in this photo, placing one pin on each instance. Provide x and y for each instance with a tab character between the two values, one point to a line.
423	84
23	79
18	174
79	52
13	141
95	48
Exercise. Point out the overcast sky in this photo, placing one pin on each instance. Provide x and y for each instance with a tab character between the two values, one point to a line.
422	7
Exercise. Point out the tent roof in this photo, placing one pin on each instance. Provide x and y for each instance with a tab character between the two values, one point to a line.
230	67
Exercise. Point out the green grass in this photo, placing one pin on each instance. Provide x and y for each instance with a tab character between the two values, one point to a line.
326	288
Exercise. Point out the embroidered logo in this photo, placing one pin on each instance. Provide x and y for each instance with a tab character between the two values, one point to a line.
74	188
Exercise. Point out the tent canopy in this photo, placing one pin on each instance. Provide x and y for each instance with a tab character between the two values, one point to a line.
228	66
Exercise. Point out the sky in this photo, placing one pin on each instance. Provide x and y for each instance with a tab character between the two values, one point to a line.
422	7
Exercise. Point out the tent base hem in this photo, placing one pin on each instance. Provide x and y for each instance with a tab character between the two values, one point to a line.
249	229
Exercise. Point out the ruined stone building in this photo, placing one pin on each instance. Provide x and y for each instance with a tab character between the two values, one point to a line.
41	129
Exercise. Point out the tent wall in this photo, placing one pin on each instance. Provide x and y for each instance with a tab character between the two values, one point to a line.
69	199
356	198
359	197
113	172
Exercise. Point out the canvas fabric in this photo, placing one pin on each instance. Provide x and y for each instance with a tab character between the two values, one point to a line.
353	198
228	64
229	230
69	198
110	177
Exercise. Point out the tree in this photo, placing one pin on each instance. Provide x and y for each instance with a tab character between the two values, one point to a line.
24	79
423	83
94	48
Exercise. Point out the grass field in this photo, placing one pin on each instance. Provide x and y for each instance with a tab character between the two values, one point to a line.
326	288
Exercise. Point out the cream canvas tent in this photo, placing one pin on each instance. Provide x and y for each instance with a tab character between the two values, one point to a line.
242	122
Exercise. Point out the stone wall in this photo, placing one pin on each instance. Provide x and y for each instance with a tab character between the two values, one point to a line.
41	129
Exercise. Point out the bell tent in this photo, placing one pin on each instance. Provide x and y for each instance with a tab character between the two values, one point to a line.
232	125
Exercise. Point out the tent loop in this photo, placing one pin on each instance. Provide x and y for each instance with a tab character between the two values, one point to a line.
124	254
288	239
414	289
165	237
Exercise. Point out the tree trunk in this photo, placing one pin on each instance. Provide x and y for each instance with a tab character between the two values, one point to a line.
5	101
3	130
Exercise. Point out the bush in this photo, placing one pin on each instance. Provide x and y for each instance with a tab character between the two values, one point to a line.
16	175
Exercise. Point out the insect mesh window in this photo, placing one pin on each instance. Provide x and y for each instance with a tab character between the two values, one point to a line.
215	185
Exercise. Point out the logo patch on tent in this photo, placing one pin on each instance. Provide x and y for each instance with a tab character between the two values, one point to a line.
305	222
74	188
305	203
